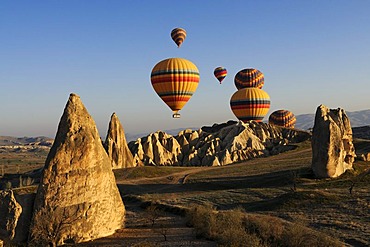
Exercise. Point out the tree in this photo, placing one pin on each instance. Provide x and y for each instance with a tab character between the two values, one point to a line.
51	223
152	213
163	230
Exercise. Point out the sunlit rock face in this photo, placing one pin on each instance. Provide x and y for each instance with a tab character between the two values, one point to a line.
157	148
332	149
77	199
218	145
116	146
10	212
15	216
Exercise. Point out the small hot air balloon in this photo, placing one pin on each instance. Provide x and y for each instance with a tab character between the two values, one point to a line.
178	35
220	73
250	104
175	80
249	78
282	118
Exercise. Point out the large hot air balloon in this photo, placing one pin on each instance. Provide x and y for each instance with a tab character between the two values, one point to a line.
175	80
178	35
249	78
250	104
220	73
282	118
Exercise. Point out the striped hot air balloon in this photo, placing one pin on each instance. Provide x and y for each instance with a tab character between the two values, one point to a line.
178	35
282	118
249	78
220	73
175	80
250	104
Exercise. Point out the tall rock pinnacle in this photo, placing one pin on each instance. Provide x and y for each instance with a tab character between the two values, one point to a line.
77	199
332	149
116	146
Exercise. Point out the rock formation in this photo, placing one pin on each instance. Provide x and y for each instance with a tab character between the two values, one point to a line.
218	145
77	198
15	216
10	212
157	148
116	146
332	149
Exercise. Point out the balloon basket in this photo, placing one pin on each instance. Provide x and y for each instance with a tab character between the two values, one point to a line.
176	115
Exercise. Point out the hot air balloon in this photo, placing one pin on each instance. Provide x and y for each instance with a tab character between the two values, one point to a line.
220	73
249	78
175	80
250	104
282	118
178	35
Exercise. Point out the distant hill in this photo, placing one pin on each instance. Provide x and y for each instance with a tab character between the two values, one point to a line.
357	118
304	122
21	141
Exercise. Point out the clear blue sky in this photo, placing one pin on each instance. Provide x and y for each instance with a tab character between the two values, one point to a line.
311	52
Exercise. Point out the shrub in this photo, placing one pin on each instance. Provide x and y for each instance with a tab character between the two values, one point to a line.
224	227
236	228
269	229
298	235
152	213
202	218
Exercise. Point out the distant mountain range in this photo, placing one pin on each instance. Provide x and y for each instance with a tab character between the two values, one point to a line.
357	118
304	122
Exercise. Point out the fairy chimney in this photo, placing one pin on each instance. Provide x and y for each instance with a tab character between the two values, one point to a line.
332	149
116	146
77	198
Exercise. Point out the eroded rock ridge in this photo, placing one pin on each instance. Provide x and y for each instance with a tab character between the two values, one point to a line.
219	145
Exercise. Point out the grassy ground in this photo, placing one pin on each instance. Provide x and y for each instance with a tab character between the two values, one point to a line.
282	186
20	161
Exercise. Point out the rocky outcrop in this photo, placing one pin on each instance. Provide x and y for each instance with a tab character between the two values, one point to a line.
77	199
218	145
26	201
10	211
116	146
157	148
15	216
332	149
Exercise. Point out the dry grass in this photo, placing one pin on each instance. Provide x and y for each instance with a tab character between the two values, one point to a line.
282	186
237	228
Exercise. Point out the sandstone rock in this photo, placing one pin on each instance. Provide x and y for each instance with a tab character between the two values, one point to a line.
158	149
10	212
220	144
332	149
116	146
26	201
77	199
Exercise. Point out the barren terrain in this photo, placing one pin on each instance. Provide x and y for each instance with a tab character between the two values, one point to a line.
281	186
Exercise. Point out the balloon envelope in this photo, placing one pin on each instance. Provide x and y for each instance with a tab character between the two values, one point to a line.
249	78
175	80
282	118
250	104
220	73
178	35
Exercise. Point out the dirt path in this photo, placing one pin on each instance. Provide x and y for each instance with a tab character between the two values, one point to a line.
139	231
173	178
